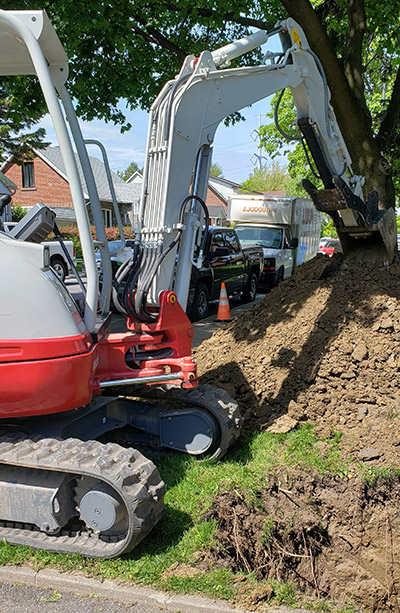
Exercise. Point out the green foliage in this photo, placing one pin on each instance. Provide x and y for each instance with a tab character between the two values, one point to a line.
276	145
216	170
372	474
71	233
284	593
327	227
128	50
16	137
217	584
128	172
271	178
18	212
268	530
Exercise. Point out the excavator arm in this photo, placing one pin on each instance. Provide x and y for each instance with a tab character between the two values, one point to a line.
182	125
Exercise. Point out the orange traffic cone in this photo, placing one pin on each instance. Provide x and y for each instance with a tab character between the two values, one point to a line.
224	312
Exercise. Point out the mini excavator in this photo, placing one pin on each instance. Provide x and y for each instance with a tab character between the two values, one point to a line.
76	401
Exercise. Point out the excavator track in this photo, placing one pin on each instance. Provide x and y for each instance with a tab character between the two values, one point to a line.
222	407
94	474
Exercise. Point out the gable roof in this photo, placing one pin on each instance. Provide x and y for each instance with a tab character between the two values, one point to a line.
223	187
136	176
125	193
6	185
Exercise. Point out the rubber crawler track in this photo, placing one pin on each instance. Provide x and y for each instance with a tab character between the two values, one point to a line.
133	476
215	400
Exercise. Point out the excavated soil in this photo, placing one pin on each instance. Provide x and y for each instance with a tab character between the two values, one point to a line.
333	539
323	347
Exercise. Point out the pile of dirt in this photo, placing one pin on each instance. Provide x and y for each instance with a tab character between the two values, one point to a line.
322	347
333	539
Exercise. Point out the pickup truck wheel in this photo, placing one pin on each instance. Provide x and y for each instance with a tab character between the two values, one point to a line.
200	301
250	290
59	267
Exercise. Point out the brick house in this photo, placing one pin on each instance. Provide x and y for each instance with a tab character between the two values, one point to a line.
218	192
44	179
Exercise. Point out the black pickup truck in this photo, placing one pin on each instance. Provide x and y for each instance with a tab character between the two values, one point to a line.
225	260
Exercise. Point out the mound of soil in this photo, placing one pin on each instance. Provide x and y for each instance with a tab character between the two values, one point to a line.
323	347
334	539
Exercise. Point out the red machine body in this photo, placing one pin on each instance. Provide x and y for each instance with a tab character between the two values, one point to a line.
45	376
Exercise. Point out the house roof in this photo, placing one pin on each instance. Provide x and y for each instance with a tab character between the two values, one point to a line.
125	193
223	187
7	184
136	176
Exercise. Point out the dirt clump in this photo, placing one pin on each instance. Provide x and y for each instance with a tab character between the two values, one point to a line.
322	347
334	539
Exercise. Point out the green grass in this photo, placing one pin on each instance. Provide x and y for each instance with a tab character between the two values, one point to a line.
372	474
191	488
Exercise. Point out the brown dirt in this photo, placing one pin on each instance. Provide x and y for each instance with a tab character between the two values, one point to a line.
323	347
334	539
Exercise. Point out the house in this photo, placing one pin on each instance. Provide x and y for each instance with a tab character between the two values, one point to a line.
218	192
44	179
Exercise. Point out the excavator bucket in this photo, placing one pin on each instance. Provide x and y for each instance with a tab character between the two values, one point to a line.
365	231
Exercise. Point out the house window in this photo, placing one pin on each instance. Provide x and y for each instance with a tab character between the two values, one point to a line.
28	177
107	216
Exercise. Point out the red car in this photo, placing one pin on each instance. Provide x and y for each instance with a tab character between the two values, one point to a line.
330	247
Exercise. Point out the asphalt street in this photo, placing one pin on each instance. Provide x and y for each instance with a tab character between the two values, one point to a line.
16	598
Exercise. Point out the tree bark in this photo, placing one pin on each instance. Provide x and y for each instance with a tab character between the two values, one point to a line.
354	123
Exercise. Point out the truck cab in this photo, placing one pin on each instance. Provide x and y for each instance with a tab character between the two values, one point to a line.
227	261
287	228
278	246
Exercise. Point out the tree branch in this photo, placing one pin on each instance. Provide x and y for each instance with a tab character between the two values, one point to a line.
155	37
354	123
391	116
230	16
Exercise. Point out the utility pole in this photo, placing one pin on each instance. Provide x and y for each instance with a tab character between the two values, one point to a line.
257	158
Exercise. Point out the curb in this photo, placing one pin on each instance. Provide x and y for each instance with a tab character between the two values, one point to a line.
77	583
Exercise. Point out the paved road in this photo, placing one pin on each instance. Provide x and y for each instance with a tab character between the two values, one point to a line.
16	598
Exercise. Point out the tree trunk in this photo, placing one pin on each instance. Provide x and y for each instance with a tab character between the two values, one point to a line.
347	99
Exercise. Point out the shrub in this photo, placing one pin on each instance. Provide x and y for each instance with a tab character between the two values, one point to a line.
17	212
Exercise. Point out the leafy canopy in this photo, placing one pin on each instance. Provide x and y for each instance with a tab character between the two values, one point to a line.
127	50
273	177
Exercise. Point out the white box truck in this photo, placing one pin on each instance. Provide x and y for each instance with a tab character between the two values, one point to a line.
287	228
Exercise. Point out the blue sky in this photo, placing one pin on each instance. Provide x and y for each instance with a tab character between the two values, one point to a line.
233	145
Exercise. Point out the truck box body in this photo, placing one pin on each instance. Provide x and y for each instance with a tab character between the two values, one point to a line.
273	222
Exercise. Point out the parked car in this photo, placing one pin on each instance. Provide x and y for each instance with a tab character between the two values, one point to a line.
225	260
330	247
323	240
